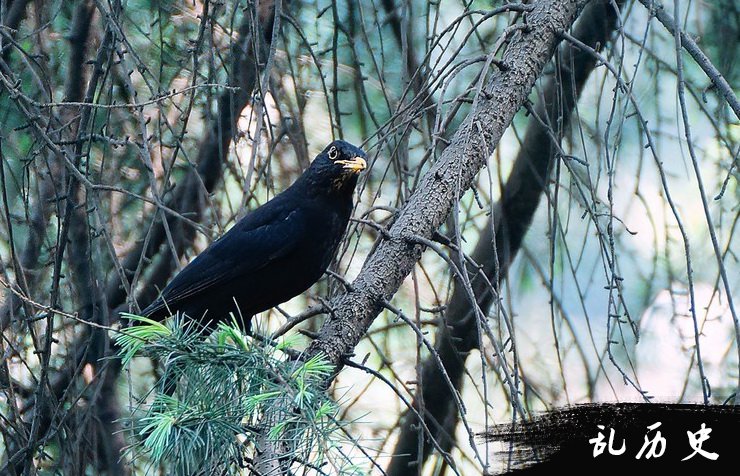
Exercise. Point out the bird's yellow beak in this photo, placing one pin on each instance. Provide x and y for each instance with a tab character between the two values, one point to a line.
355	164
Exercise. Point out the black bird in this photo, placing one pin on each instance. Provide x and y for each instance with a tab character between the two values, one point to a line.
275	252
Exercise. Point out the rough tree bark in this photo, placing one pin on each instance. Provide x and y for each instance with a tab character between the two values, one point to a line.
512	216
531	46
351	313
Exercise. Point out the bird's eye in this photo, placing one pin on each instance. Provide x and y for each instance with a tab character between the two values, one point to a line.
333	154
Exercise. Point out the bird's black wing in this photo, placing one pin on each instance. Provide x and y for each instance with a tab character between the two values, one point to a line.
252	244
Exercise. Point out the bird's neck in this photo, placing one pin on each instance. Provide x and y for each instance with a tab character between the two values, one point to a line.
336	188
325	196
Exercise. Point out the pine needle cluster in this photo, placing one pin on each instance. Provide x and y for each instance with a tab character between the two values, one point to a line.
223	396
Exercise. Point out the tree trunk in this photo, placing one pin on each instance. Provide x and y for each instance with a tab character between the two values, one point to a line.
511	218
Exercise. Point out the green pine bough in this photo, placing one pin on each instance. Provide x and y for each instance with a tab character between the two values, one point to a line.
226	386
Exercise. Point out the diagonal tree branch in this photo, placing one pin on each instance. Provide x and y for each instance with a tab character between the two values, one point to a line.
395	256
693	49
427	208
511	219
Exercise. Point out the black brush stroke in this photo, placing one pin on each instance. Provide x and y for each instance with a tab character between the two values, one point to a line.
559	440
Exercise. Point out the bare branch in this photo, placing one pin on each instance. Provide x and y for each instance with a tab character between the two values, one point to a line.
443	185
693	49
498	244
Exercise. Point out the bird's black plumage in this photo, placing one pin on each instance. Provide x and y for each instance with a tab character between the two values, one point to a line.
275	252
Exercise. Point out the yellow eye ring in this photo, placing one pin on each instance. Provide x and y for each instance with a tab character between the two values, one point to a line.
333	154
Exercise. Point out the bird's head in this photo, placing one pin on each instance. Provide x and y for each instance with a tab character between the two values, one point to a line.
338	166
